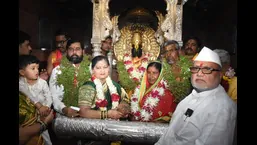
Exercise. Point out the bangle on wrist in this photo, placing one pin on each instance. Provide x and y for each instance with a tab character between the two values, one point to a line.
103	114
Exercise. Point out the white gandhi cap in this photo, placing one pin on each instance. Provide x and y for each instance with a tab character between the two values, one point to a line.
208	55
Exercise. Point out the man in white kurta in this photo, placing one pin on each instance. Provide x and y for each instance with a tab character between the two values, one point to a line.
56	90
73	60
213	116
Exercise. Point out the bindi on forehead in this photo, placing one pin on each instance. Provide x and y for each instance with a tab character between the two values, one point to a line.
201	64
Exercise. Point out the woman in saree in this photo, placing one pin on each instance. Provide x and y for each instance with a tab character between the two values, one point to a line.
152	101
101	97
30	125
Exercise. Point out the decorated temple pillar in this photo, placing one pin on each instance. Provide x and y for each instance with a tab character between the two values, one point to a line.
95	40
101	24
178	25
172	24
96	47
110	59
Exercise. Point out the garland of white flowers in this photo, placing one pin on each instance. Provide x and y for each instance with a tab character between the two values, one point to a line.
135	73
101	102
153	98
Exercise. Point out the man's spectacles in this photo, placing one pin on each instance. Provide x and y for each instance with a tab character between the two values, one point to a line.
205	70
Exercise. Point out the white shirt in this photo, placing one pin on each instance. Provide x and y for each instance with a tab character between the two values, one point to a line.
56	90
38	92
211	123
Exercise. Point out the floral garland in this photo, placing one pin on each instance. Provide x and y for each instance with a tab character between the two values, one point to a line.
135	73
124	69
153	98
125	81
66	78
180	89
100	101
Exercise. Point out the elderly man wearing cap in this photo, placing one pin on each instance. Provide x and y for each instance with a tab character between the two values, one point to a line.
207	116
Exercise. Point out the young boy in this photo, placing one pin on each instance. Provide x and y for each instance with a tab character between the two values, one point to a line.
35	88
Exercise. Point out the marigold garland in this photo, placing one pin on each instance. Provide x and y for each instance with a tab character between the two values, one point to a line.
66	78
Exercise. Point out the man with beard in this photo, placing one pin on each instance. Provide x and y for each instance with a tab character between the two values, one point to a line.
192	46
54	59
207	116
170	51
67	77
180	76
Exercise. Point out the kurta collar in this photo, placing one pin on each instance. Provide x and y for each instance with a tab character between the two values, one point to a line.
23	79
204	93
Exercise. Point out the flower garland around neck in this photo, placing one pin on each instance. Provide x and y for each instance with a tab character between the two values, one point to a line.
101	101
152	100
180	89
135	73
66	78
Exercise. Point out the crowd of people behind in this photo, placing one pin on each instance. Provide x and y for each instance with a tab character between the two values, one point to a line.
76	85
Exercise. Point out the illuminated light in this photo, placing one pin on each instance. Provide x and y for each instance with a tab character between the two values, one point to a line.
43	49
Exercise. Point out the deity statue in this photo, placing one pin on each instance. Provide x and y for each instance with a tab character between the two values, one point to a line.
135	48
148	42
